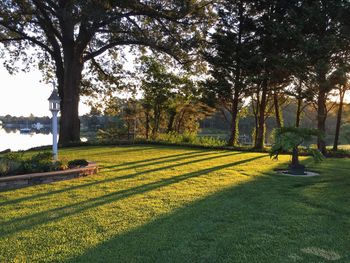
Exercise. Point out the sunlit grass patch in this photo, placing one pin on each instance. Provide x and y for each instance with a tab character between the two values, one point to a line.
174	204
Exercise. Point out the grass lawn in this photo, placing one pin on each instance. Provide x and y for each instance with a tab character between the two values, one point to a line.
173	204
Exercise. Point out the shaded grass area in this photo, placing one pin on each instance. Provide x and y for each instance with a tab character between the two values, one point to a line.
174	204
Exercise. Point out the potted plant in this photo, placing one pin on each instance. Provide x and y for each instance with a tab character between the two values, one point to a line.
289	139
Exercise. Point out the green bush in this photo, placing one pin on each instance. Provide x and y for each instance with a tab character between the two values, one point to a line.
189	138
15	163
77	163
11	163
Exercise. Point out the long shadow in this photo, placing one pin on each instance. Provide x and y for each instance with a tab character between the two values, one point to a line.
27	198
133	148
153	159
111	150
264	220
28	222
174	165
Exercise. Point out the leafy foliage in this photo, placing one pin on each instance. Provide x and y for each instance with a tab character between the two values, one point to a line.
67	36
77	163
189	138
111	134
288	138
15	163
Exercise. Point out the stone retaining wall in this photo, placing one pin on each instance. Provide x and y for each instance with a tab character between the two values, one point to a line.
18	181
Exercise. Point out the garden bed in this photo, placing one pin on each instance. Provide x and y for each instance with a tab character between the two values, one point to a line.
18	181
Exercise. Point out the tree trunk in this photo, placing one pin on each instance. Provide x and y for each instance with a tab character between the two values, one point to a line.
156	122
234	122
237	87
321	119
128	127
147	125
70	123
295	157
299	105
180	120
339	116
171	121
278	114
260	133
298	113
295	167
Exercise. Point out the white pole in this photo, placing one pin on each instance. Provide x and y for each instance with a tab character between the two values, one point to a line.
54	135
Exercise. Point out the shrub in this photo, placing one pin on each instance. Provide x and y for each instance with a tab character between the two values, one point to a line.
11	163
189	138
211	141
77	163
14	163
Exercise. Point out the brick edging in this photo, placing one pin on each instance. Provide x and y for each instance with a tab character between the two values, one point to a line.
18	181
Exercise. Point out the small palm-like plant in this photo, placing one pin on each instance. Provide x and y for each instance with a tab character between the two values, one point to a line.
289	139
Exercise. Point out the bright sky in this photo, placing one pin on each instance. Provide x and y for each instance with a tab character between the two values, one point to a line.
23	93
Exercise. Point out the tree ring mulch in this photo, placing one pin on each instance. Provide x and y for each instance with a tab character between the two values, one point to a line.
306	174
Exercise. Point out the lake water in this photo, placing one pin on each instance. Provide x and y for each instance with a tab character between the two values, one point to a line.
15	141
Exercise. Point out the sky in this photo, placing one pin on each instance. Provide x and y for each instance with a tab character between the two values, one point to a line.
23	94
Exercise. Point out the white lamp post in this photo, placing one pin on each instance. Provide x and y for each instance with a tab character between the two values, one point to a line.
54	106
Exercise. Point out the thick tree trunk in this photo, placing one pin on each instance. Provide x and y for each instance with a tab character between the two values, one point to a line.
260	133
278	114
234	122
70	124
339	116
321	119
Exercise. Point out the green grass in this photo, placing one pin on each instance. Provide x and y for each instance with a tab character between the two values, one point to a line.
173	204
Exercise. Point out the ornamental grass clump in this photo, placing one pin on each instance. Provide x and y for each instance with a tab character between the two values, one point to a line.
289	139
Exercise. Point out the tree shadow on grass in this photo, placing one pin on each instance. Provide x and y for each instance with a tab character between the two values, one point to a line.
143	163
154	161
30	221
115	149
146	161
267	220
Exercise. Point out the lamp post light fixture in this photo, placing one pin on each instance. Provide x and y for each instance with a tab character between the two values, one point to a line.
54	106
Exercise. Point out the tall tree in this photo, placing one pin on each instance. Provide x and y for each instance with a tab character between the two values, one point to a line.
158	86
322	42
65	35
273	35
340	80
230	58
